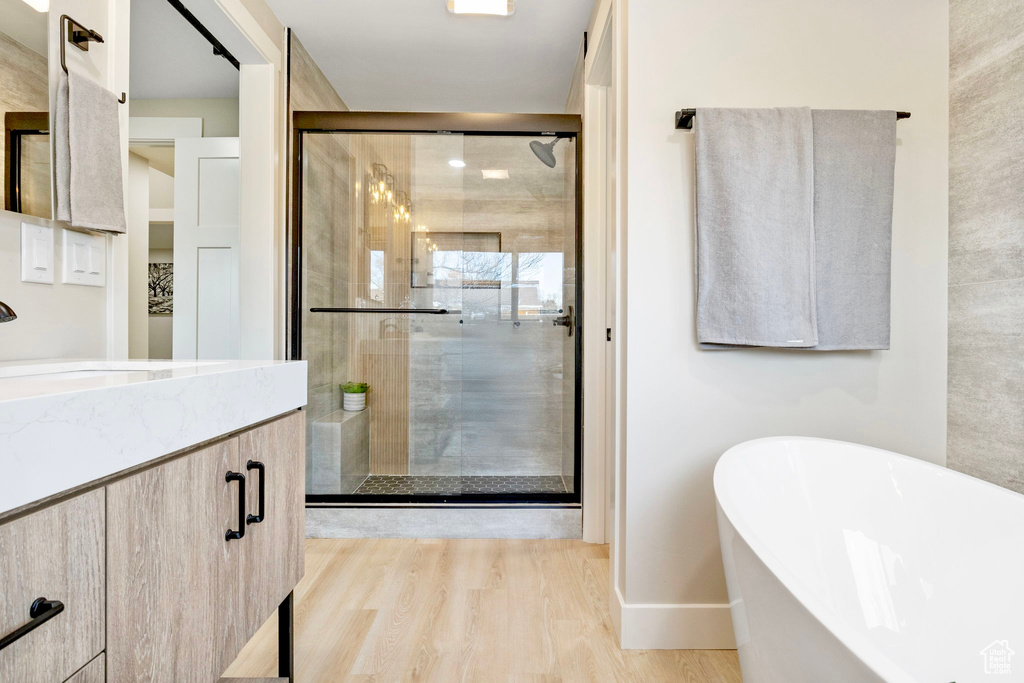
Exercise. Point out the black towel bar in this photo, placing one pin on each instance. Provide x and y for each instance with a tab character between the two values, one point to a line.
79	36
428	311
684	118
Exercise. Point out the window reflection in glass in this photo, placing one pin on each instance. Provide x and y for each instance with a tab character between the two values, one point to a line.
377	275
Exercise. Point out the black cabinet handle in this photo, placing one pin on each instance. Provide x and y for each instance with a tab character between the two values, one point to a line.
257	465
41	611
240	478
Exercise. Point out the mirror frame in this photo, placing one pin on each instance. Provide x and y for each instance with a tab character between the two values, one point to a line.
18	124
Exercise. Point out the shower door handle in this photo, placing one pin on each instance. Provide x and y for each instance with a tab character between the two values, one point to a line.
565	321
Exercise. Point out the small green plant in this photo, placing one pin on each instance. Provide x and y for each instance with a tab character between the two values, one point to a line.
355	387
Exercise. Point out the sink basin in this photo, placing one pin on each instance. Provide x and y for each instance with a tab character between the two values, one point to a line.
73	374
90	369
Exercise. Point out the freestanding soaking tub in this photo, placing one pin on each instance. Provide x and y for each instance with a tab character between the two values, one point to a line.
848	563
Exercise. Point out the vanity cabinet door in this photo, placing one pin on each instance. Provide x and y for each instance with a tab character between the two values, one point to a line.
274	548
173	586
55	554
93	672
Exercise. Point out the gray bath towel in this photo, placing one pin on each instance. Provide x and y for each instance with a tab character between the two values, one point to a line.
87	136
854	162
755	231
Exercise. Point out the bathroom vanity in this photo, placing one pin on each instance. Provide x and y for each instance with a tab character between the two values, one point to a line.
151	516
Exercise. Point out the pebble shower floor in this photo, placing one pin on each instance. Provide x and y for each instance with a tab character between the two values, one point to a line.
412	485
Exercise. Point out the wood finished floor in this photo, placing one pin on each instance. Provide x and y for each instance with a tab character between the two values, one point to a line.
464	610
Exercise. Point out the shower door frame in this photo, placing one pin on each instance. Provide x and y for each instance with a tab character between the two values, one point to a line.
466	124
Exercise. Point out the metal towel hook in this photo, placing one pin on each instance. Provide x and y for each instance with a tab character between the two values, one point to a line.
79	36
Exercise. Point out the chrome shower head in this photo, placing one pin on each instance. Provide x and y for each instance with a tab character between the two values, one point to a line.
6	313
545	151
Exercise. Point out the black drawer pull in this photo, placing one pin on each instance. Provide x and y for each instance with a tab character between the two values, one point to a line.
41	611
257	465
231	535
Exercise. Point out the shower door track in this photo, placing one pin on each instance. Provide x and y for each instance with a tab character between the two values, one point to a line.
466	124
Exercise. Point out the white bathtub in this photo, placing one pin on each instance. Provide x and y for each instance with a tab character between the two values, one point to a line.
848	563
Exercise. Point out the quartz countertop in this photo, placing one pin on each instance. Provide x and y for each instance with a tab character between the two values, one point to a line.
66	423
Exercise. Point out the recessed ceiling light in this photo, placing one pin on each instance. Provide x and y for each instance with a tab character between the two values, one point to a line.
495	174
456	163
502	8
39	5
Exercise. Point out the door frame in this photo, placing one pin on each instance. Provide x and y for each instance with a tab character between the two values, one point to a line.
157	131
467	124
261	132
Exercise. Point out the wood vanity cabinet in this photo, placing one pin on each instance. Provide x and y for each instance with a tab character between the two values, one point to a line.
194	566
159	575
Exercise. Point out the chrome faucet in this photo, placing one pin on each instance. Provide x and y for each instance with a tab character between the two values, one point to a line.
6	313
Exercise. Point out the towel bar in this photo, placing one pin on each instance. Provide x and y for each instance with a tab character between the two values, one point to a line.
80	37
684	118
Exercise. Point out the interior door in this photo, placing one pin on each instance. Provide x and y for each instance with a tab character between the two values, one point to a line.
206	247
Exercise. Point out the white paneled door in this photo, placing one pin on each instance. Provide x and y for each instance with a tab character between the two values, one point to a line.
206	246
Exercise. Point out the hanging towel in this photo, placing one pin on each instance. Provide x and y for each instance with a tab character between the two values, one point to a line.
854	166
87	137
755	230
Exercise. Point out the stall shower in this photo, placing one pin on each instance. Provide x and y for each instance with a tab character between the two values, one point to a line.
440	269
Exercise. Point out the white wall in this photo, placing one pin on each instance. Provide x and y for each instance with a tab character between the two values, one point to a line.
686	406
54	321
219	115
161	190
66	320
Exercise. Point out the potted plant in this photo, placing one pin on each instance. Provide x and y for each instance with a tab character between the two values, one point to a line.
354	395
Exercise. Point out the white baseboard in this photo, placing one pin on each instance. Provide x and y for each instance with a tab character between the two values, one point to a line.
672	626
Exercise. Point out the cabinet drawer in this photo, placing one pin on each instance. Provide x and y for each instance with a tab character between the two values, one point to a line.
56	554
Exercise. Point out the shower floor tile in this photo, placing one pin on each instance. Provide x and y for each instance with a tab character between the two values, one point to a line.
421	485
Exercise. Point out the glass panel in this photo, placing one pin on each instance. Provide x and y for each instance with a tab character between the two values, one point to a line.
518	373
479	398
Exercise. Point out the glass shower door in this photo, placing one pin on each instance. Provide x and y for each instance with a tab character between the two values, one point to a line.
518	358
368	316
440	270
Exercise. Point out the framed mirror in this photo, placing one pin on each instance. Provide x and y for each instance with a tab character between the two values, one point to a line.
24	107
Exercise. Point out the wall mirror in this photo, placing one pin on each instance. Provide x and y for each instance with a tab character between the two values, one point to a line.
24	106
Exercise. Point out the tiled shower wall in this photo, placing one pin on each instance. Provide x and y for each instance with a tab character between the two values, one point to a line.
325	202
986	241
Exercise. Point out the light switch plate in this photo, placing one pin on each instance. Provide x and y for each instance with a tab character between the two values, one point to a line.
85	259
36	253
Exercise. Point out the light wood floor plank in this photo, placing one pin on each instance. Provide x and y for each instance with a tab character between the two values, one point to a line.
520	611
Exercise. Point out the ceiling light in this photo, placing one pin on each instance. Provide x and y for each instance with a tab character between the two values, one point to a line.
44	5
456	163
502	8
495	174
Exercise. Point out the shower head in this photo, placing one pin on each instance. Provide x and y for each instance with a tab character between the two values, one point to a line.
6	313
545	151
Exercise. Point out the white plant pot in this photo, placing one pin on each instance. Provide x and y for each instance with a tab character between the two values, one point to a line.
354	402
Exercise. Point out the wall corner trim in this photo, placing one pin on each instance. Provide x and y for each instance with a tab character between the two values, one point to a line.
674	626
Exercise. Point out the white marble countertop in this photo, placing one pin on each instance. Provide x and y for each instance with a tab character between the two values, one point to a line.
67	423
